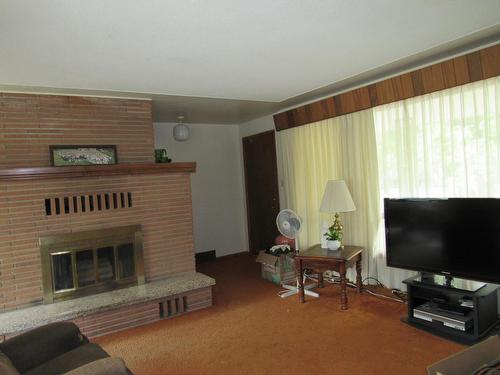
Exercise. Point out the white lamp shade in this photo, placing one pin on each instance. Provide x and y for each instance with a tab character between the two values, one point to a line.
337	198
181	132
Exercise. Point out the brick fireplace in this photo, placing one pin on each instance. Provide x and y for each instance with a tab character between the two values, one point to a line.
38	201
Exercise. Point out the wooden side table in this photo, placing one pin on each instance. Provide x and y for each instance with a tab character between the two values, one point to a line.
323	260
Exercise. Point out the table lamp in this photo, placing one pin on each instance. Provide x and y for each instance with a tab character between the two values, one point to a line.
337	198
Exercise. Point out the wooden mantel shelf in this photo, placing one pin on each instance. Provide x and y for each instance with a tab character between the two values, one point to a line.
95	170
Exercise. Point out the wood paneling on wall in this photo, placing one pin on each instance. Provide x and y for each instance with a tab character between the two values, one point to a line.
30	123
458	71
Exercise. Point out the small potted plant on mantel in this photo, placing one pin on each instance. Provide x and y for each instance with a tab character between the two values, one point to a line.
333	238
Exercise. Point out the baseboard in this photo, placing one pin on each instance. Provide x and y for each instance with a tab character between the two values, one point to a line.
205	256
238	254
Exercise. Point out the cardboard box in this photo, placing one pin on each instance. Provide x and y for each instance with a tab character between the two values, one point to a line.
468	360
277	269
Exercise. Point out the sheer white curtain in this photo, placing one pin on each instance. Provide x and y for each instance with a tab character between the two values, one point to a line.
445	144
339	148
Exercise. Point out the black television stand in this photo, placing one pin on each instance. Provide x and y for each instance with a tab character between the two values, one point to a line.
449	282
460	310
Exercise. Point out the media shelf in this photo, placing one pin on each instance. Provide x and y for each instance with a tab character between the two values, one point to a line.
458	314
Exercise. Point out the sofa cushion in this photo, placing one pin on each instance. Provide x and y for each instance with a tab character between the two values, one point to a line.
70	360
33	348
104	366
6	366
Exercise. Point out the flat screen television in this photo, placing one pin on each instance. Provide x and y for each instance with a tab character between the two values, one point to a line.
456	237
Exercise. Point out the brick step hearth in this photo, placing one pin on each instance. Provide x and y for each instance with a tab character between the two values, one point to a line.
120	309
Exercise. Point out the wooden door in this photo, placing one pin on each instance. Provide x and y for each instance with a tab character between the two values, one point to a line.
261	181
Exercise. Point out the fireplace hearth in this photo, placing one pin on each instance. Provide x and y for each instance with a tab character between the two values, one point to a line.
89	262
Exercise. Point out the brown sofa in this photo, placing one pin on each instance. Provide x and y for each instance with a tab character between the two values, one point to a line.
57	348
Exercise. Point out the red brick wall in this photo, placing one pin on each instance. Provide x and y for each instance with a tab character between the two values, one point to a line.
30	123
161	202
124	317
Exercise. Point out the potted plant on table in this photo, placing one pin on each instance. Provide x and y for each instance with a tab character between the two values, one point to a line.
333	238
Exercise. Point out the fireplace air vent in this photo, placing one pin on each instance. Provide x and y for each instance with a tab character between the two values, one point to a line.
177	305
87	203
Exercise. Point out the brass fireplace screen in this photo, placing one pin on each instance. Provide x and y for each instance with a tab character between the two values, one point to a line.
83	263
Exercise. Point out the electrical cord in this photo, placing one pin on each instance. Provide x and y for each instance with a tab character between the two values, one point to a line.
400	295
375	279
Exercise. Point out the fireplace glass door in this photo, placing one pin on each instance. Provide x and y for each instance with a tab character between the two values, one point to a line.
126	266
85	268
62	269
94	262
106	262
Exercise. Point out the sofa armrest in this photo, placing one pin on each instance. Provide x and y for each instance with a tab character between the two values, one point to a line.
104	366
32	348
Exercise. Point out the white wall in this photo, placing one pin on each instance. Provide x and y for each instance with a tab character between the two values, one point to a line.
217	185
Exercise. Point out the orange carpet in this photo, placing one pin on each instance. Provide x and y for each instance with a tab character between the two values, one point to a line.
250	330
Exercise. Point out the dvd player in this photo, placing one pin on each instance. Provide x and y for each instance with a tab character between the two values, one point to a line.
434	313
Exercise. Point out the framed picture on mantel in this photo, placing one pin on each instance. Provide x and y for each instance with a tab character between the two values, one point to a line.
69	155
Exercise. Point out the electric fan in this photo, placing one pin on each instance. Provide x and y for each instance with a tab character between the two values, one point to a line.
289	223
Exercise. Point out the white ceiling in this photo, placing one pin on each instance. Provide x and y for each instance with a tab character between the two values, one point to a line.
260	50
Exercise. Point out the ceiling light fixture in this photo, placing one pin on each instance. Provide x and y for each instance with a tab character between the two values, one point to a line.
181	131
